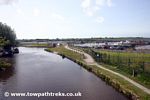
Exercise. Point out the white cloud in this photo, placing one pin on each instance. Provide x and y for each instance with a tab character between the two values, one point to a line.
89	11
36	12
86	3
100	2
58	17
104	3
20	12
100	19
86	6
91	7
7	2
109	3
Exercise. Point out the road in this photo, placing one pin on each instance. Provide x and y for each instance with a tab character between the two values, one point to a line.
90	61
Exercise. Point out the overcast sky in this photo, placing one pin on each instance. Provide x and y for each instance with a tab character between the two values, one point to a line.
76	18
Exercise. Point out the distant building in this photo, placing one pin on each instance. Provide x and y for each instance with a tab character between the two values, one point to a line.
54	44
145	47
107	45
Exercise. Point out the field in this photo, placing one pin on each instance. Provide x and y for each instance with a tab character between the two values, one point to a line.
127	59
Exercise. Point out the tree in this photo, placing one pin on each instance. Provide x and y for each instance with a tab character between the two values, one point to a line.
7	36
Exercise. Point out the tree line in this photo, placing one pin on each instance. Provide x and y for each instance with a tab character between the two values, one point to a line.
7	36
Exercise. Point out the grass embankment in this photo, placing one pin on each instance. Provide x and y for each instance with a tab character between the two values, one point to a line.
67	53
117	82
4	64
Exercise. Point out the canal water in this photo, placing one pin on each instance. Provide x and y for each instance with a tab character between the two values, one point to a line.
37	71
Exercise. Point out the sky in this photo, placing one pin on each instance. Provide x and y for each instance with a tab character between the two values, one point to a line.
50	19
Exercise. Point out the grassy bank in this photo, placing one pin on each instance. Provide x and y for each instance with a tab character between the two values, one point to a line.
70	54
117	82
4	64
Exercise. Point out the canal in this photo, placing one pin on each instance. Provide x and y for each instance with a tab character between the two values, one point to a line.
37	71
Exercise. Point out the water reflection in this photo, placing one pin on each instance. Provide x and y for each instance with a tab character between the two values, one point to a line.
8	72
4	75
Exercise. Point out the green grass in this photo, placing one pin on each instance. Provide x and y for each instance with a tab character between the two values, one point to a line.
4	64
117	82
137	56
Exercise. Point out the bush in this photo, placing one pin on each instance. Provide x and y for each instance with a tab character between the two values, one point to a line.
4	64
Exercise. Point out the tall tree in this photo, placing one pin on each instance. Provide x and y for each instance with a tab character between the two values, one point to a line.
7	35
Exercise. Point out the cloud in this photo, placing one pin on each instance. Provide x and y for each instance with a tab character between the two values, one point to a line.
20	12
36	12
86	3
86	6
100	19
100	2
91	7
58	17
104	3
7	2
109	3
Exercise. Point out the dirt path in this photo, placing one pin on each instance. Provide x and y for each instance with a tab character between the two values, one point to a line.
90	61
